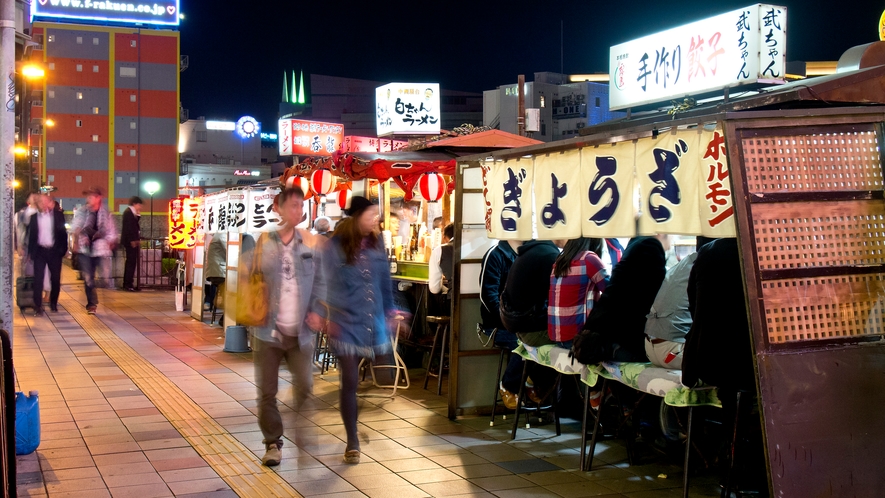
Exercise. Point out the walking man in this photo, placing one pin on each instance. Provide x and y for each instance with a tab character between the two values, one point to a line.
47	245
130	239
94	232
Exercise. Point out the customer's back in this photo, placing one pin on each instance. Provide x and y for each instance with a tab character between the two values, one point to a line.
528	285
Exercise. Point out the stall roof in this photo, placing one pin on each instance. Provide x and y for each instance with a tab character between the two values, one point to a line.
491	139
860	88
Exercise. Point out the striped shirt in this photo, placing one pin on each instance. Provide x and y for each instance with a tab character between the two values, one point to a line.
572	296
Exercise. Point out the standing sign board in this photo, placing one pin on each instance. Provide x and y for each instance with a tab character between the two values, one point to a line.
737	48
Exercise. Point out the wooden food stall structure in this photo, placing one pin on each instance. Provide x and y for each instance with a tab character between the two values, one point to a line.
795	173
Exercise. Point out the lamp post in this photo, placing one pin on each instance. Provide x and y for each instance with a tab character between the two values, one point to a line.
152	188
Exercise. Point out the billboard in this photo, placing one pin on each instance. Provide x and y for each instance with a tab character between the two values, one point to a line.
155	12
740	47
354	143
407	109
298	137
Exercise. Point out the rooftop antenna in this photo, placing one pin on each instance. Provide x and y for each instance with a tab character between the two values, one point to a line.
285	88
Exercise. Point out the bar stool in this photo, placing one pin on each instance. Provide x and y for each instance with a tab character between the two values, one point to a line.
505	353
399	367
442	324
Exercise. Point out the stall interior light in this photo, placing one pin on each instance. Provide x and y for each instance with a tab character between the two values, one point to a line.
221	125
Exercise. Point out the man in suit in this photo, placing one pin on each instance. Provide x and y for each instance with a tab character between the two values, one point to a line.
130	239
47	245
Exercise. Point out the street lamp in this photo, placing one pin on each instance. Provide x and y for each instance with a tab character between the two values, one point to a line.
152	188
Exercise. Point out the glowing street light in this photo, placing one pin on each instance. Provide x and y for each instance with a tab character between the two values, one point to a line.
20	150
32	71
49	122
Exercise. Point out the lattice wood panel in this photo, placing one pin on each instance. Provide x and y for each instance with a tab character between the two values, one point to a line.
808	234
814	162
802	310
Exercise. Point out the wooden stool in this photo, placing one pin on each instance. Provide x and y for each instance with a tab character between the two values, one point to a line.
442	323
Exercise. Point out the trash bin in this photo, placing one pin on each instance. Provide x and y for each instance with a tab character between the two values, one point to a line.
236	340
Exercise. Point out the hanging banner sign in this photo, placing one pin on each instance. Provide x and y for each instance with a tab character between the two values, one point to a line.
184	219
609	204
676	183
262	216
236	211
210	213
558	195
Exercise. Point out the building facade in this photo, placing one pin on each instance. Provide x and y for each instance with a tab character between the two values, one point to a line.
215	156
111	95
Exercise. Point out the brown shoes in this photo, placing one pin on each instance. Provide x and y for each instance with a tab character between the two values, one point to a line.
510	400
352	456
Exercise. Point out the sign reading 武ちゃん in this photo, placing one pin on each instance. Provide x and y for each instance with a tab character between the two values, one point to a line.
675	183
740	47
407	109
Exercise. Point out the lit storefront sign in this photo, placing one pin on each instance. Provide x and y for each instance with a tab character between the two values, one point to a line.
407	109
155	12
353	143
740	47
247	127
185	215
268	137
298	137
221	125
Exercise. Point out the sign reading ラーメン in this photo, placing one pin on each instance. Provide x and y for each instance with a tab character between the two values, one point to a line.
160	12
407	109
740	47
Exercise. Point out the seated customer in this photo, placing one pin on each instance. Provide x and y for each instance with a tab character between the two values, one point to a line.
615	329
578	278
441	268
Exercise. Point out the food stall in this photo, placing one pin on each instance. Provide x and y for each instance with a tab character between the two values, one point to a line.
793	171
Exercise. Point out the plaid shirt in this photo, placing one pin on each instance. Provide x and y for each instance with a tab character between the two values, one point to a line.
571	297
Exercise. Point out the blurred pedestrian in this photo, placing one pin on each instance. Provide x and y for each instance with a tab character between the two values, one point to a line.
215	270
130	239
323	226
94	234
47	245
22	220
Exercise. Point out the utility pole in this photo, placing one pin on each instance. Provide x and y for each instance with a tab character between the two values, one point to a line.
520	108
7	143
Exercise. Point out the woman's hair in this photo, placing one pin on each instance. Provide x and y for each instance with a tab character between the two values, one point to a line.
348	232
572	249
286	193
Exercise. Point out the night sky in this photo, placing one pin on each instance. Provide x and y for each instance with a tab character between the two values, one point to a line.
239	50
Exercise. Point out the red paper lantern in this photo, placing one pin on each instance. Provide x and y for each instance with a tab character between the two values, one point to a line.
432	186
298	181
344	197
323	181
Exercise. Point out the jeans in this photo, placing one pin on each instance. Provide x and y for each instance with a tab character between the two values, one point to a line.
267	358
513	372
46	259
88	265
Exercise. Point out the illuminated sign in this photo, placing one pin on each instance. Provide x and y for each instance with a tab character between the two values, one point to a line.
221	125
353	143
245	172
184	222
741	47
407	109
157	12
247	127
298	137
268	137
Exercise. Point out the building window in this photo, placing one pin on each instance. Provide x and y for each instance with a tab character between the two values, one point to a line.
51	94
50	178
543	130
132	153
95	41
132	125
127	72
51	150
79	40
119	152
202	136
132	180
52	66
120	180
79	95
79	123
79	68
132	43
94	68
78	179
51	38
95	110
95	138
543	102
597	101
79	151
132	98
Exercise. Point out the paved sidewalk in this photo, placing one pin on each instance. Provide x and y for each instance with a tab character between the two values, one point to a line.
139	400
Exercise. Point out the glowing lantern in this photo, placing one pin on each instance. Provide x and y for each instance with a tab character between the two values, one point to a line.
432	186
344	197
298	181
323	181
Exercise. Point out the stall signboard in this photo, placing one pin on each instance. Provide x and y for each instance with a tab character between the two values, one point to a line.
215	212
298	137
674	183
184	222
407	109
155	12
262	216
353	143
737	48
237	202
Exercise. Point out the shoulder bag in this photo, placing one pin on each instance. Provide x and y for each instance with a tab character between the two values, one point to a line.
252	294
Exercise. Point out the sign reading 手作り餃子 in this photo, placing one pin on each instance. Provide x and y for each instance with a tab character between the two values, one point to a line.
240	211
155	12
675	183
737	48
407	109
298	137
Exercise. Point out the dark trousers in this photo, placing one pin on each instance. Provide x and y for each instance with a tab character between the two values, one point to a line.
88	264
46	258
132	255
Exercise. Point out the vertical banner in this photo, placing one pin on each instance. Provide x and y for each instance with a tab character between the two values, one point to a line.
221	212
210	213
607	203
236	211
667	169
184	218
558	195
262	216
194	209
487	168
717	209
510	184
